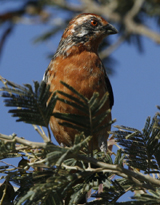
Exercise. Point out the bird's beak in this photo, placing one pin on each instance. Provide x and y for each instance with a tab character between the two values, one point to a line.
109	29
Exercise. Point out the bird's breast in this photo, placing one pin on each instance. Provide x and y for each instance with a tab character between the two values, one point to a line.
84	72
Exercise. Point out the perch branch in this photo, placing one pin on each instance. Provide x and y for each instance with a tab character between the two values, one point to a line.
14	138
120	170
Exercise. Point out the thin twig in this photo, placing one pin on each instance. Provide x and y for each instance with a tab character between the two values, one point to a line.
140	29
106	10
72	167
5	190
14	138
41	128
120	170
11	165
71	7
45	138
135	9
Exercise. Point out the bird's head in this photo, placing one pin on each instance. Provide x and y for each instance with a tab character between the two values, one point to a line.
86	31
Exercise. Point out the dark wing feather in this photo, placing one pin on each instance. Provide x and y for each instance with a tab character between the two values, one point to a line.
109	88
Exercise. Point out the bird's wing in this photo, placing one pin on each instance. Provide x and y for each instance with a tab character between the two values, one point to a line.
109	88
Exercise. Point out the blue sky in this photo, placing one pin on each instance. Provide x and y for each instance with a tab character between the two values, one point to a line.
136	83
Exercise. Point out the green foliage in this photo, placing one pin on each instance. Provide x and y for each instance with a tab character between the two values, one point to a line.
141	148
66	175
32	106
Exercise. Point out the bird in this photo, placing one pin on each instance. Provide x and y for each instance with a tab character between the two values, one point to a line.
77	63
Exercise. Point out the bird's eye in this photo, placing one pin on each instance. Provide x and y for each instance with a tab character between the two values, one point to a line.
94	23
